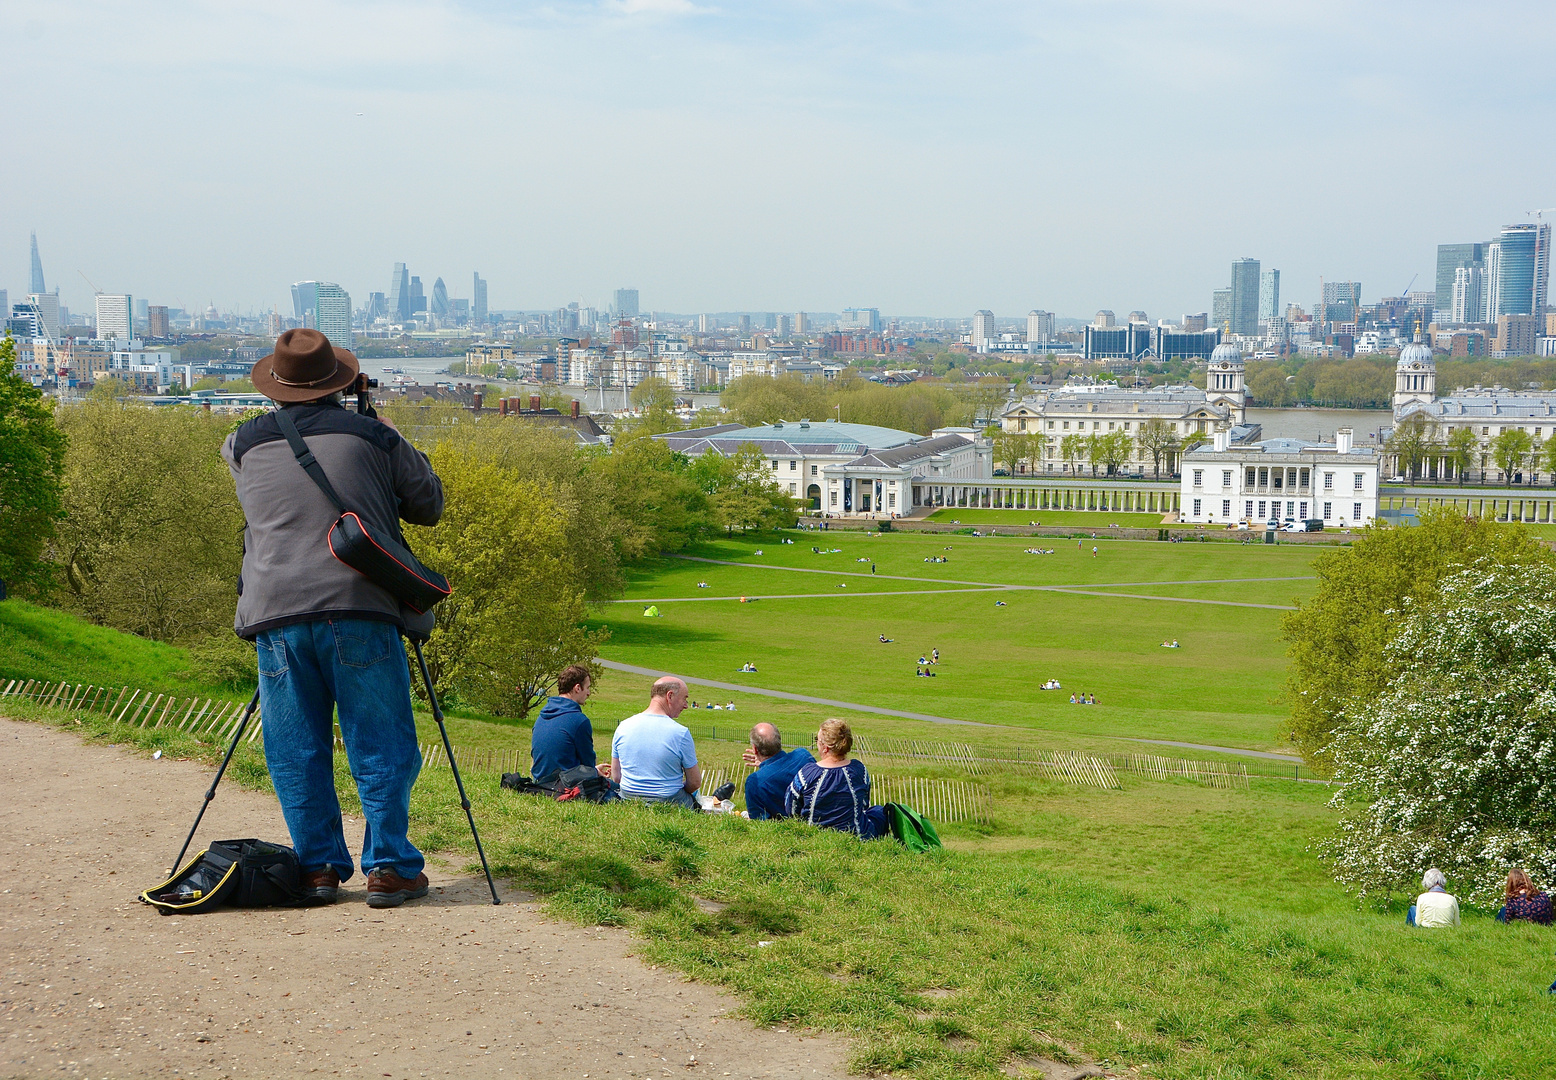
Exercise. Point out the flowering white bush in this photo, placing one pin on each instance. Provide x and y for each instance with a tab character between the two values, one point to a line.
1454	764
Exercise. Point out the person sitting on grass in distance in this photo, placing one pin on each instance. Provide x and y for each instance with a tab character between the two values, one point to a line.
563	738
1524	901
834	792
653	758
1073	701
774	772
1435	906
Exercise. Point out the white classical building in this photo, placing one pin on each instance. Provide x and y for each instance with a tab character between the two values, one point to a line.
1281	480
1106	408
1486	412
847	470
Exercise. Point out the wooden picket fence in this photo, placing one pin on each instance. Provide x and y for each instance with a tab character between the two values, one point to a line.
213	720
1065	767
492	761
1212	774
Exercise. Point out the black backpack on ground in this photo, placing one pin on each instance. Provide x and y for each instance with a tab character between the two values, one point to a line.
514	781
231	873
585	782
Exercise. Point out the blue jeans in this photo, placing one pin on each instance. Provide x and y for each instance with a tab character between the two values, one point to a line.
306	672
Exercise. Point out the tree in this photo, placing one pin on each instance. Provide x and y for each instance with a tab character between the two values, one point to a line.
1409	443
1113	450
655	399
1462	445
1157	439
1336	639
1011	448
515	616
151	541
1072	447
1449	766
32	466
1510	449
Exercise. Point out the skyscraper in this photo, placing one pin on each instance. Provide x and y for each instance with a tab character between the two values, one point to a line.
418	299
440	299
399	294
478	304
332	314
1518	268
1450	259
1245	297
1221	309
114	317
1269	296
626	303
1040	330
1467	303
801	323
982	330
305	302
36	285
1341	301
47	305
156	321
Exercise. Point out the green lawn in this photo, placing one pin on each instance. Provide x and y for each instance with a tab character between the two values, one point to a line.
1096	519
1174	929
993	658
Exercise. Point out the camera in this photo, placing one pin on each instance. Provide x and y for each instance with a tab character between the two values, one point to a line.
364	387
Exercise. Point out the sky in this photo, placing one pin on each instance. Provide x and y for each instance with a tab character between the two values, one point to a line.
925	159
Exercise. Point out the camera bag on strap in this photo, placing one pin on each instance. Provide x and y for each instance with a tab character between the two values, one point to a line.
236	873
383	560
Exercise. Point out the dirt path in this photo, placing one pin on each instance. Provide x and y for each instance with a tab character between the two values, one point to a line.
97	984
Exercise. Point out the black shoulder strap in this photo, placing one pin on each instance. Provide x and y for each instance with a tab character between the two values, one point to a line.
306	459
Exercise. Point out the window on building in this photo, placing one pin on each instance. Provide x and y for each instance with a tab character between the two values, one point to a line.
1328	511
1253	478
1021	425
891	499
1126	425
1196	508
1358	481
1110	425
1226	477
793	465
1485	431
1248	509
1066	425
1051	425
793	489
775	466
1226	508
1329	481
1261	509
1305	478
834	498
1199	477
1302	511
813	470
1356	511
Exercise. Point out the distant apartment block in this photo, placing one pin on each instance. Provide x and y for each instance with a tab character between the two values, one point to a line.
115	321
156	321
626	304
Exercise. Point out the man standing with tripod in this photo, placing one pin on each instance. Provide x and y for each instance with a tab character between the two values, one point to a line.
326	636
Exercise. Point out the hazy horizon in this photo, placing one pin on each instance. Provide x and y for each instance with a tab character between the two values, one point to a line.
924	160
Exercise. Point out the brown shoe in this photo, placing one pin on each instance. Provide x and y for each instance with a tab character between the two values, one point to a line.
385	888
321	887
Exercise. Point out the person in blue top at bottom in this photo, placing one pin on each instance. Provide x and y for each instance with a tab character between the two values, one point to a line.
833	791
774	772
563	738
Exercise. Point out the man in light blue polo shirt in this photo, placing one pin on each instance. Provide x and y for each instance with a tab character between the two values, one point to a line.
653	758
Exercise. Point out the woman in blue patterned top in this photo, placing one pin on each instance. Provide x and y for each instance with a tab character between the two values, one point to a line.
834	792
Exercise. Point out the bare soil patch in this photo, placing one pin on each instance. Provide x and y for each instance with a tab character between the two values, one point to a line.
97	984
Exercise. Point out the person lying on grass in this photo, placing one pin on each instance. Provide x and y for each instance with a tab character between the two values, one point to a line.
834	792
774	772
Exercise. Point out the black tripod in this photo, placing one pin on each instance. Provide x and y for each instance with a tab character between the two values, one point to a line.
437	714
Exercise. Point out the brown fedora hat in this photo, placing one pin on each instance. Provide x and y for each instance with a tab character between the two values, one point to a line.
305	366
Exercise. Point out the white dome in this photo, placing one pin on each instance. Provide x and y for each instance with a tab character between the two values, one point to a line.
1416	355
1227	353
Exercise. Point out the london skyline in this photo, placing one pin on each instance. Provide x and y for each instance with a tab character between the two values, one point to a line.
924	161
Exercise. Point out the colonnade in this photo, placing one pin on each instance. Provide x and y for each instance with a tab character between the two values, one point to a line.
1028	496
1532	509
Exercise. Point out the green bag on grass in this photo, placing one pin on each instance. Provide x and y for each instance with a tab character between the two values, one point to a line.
910	828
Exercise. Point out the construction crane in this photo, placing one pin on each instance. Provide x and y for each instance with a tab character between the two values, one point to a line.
1406	291
1538	214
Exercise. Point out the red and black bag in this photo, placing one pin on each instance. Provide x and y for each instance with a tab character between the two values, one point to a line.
383	560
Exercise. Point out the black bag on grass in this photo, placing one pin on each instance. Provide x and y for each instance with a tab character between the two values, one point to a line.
514	781
231	873
585	782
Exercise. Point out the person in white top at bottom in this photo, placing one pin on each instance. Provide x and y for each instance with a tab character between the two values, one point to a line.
1436	906
653	758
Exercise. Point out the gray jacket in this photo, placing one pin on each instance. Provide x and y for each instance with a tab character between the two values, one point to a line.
289	575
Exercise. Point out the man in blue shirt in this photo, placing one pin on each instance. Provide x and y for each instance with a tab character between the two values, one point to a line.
774	773
653	758
563	737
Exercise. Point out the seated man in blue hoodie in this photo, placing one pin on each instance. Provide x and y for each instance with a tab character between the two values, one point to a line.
774	772
563	737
